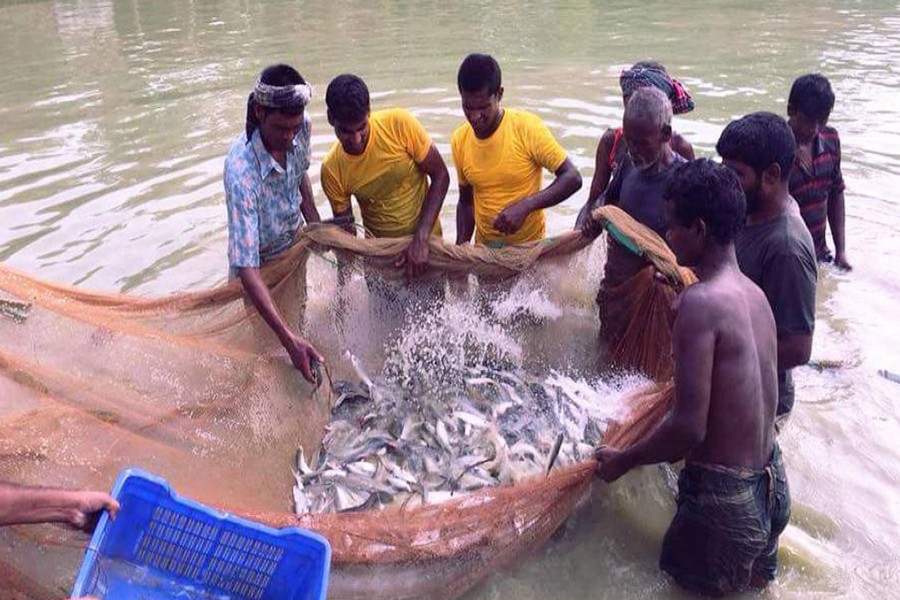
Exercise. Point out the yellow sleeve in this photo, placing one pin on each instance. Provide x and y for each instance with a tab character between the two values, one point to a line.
412	135
543	147
456	143
338	197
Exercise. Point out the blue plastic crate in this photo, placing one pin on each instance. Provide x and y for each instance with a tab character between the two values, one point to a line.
163	546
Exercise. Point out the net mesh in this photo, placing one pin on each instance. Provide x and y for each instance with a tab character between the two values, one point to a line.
196	388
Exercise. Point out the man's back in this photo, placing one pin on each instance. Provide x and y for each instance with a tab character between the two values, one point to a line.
733	498
743	388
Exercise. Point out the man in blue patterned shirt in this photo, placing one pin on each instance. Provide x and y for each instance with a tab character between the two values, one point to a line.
268	194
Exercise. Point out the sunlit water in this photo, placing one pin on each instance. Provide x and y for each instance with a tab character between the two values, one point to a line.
116	116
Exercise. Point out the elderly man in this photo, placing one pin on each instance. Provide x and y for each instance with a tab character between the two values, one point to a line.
611	150
268	194
638	188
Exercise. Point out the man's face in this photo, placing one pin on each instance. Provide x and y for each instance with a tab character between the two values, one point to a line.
644	142
686	242
278	130
805	128
482	109
751	183
354	137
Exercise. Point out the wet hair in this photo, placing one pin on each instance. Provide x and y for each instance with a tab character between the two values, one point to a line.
277	75
649	64
479	73
651	105
758	140
347	99
703	189
812	95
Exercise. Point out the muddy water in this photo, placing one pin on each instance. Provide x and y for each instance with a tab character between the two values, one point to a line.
115	116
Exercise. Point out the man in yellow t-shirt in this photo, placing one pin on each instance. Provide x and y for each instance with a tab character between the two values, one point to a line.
385	160
500	155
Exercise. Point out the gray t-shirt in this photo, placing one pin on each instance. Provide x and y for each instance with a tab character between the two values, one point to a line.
778	256
642	196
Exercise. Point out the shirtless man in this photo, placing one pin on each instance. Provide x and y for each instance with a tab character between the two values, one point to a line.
733	499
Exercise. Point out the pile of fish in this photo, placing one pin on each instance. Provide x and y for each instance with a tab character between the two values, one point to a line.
385	445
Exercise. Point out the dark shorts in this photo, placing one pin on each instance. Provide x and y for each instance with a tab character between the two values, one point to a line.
725	533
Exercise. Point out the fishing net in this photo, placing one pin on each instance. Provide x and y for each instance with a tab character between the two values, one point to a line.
196	388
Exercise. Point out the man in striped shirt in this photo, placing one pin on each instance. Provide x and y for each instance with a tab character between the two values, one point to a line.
816	182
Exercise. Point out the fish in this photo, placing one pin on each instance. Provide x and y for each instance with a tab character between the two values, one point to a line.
470	418
554	452
17	311
443	438
301	502
347	393
360	372
889	376
346	498
302	467
362	468
388	444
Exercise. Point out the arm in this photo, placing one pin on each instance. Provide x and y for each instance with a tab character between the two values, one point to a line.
21	505
337	194
682	146
301	352
794	350
307	201
602	172
567	182
465	215
349	226
416	255
836	222
789	282
835	205
610	196
600	181
693	347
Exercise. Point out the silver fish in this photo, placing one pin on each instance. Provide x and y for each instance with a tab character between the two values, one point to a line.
386	444
554	452
17	311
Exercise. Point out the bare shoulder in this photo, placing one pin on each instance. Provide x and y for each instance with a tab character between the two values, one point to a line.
754	295
608	138
698	296
698	306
